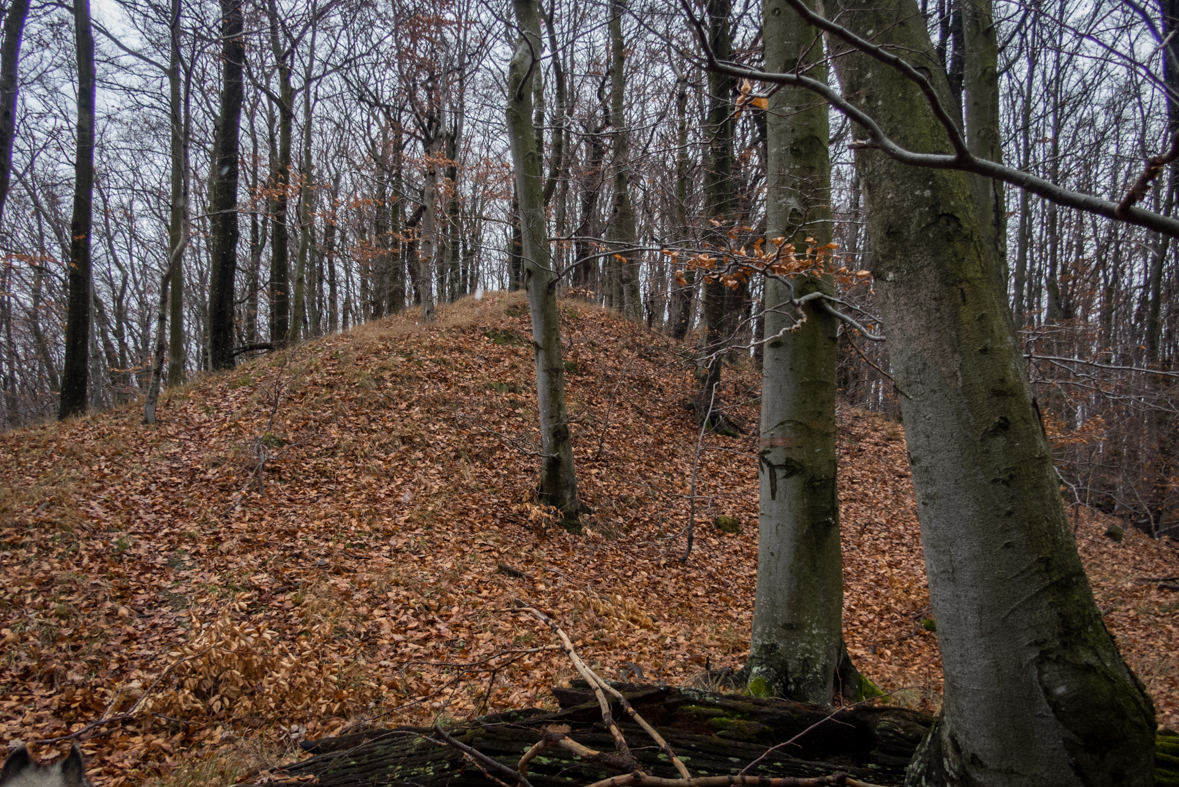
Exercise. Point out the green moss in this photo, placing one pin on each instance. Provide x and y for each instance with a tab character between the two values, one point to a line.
929	624
728	524
868	689
759	687
700	712
1166	759
505	338
737	729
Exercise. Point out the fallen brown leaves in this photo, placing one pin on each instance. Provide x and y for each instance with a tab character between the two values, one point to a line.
224	576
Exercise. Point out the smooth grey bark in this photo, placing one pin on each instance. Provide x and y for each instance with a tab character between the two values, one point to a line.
984	135
75	371
425	259
622	222
306	201
1036	692
798	612
558	480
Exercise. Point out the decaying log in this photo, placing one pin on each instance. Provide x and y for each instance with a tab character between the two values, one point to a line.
713	735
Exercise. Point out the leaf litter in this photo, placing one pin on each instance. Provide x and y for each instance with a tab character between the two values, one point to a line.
331	537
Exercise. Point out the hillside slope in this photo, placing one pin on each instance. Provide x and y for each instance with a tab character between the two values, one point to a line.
334	534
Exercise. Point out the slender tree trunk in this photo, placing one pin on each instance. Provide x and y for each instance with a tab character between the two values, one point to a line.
306	215
280	249
426	240
75	371
223	189
681	294
1024	240
558	481
14	26
157	366
329	258
798	613
178	216
397	259
622	223
718	197
1035	690
984	135
584	248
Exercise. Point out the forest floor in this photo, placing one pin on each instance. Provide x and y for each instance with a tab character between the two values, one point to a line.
333	536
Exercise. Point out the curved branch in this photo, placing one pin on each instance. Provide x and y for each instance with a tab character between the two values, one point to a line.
962	161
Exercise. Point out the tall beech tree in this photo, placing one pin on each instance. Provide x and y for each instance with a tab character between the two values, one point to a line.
178	224
75	371
798	613
1036	692
223	188
558	479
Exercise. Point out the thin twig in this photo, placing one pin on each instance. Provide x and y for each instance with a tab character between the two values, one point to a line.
590	678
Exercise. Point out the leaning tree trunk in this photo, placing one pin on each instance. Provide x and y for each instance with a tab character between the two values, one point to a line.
77	336
223	189
1036	692
558	481
798	613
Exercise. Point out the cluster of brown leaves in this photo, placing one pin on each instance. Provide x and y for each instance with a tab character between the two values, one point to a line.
333	536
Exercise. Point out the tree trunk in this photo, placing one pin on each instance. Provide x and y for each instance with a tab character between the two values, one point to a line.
1035	690
280	250
681	294
622	224
984	135
558	480
798	614
718	191
14	27
425	257
75	371
223	189
306	200
178	216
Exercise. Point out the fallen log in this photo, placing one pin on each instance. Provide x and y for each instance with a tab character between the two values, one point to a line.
712	735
